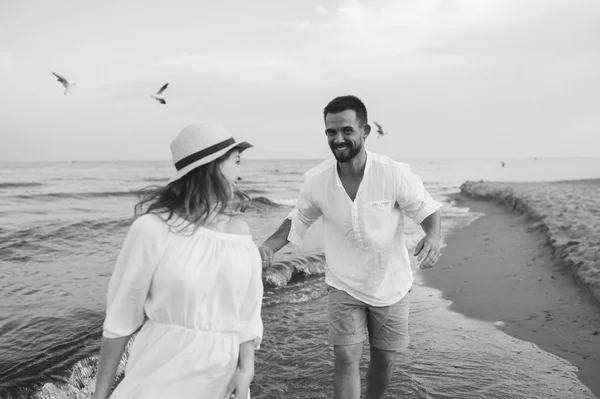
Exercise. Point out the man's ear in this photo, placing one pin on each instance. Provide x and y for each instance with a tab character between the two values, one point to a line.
366	129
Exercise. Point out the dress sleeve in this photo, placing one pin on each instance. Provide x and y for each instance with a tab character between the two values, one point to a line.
304	214
411	195
250	313
130	281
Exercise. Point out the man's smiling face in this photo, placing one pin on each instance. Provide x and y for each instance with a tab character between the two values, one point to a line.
345	134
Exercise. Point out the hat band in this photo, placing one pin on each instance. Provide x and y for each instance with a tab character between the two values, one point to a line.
190	159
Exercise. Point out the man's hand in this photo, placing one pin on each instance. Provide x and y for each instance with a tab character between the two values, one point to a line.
428	250
239	386
266	254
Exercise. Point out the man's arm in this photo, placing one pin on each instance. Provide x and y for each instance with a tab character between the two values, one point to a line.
417	203
293	227
275	242
428	248
432	224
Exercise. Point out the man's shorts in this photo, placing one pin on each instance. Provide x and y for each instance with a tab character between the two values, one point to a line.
352	321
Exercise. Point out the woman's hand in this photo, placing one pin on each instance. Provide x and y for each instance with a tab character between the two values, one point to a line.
239	386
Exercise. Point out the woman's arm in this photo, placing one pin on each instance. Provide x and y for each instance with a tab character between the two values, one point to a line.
111	352
240	382
127	293
246	358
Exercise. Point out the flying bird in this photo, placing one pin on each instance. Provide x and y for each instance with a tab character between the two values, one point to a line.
380	131
68	86
158	96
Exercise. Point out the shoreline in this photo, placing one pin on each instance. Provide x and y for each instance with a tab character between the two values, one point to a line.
566	212
503	269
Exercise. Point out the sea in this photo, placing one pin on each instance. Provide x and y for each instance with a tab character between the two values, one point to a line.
62	225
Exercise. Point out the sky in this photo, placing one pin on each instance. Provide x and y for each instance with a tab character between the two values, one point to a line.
445	78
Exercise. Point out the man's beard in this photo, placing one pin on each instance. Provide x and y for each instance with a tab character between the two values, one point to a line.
347	154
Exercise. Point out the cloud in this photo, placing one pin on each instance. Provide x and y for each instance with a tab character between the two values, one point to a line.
363	30
393	37
321	10
233	63
250	65
297	24
470	27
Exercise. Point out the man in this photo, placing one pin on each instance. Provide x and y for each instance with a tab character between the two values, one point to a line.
362	197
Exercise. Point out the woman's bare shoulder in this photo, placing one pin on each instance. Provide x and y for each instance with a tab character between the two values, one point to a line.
237	225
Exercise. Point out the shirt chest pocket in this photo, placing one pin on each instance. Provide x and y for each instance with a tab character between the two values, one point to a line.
379	205
380	221
380	224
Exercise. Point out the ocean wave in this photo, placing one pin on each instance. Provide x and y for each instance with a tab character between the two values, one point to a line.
260	199
53	236
79	195
286	201
20	184
156	179
270	181
26	367
48	238
293	269
252	191
264	201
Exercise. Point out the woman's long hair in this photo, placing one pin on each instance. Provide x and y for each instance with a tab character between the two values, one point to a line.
195	197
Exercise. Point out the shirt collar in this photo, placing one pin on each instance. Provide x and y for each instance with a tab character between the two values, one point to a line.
367	167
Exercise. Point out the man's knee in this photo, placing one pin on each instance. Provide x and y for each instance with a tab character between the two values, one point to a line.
347	355
382	357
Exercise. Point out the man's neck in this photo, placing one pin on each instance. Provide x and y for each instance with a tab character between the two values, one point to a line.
354	168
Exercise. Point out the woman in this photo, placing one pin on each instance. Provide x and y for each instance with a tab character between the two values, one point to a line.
190	266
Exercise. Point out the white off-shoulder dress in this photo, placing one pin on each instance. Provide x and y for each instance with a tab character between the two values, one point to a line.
201	292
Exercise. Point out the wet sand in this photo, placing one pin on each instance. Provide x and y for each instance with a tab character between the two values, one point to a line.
501	269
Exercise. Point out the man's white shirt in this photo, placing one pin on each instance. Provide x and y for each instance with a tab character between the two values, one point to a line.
364	239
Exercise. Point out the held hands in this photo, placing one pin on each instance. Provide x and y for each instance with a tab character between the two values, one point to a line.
428	250
266	254
239	386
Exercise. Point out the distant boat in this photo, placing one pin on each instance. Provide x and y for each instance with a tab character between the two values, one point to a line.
503	164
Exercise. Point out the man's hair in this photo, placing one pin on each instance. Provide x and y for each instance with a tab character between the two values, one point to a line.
345	103
195	196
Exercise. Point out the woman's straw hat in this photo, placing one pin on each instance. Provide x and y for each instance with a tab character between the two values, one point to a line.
199	144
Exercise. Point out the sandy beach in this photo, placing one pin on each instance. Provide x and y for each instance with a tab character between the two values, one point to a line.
566	212
529	264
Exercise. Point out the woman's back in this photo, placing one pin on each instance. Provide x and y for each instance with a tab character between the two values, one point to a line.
205	288
229	224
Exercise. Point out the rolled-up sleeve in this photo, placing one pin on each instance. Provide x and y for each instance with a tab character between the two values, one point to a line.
130	281
250	313
304	214
412	197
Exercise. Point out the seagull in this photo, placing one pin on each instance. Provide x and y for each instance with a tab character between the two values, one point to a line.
380	131
68	86
158	97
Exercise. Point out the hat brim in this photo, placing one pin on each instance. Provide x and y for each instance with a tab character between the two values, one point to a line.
241	146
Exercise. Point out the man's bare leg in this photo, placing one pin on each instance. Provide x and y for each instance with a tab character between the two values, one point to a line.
346	374
379	373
